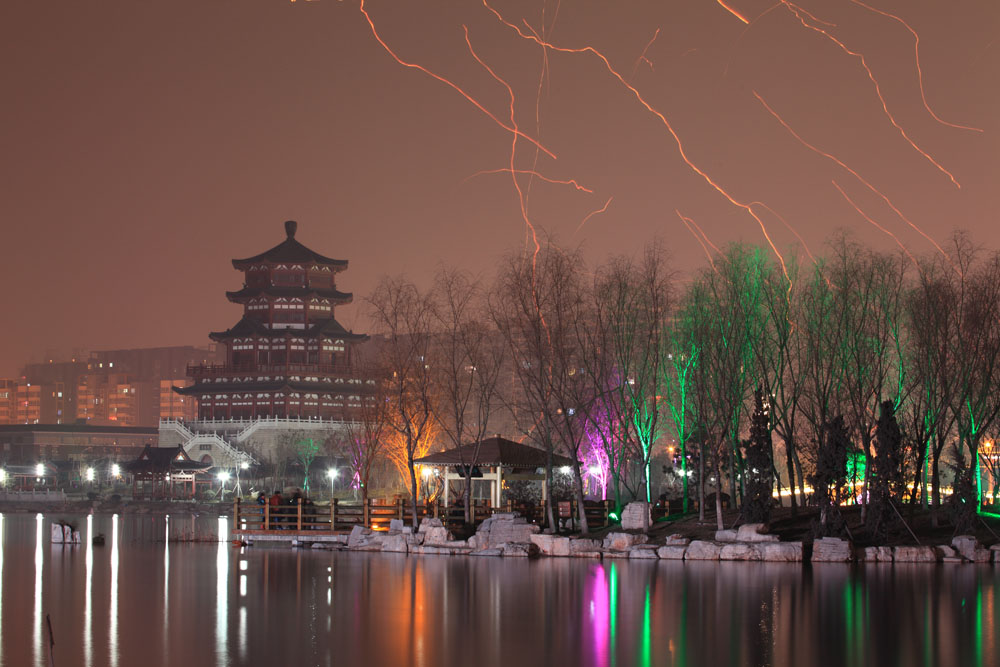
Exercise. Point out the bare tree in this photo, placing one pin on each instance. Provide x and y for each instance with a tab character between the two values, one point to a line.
628	344
468	357
404	317
364	442
536	304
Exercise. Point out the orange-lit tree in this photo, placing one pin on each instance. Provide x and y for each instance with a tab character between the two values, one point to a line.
404	317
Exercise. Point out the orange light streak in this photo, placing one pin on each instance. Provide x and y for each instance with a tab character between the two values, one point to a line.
533	174
513	146
916	56
735	13
687	223
790	228
798	12
512	129
663	119
642	56
878	226
856	175
593	213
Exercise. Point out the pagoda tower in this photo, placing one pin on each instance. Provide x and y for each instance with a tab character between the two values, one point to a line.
288	357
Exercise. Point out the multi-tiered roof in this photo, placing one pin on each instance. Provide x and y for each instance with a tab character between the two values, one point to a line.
287	356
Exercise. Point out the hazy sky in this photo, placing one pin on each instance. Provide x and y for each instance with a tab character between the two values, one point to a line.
146	143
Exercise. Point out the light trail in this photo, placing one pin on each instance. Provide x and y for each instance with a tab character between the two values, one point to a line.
690	224
663	119
533	174
512	129
916	57
642	56
513	144
798	12
593	213
854	173
877	226
732	11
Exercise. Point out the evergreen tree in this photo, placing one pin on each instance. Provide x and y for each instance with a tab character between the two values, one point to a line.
886	471
759	466
831	476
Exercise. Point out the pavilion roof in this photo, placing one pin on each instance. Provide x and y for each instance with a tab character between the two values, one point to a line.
164	460
248	326
495	451
291	251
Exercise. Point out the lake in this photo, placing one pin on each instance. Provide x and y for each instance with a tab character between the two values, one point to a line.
155	595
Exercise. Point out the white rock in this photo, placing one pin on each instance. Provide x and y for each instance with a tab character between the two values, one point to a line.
739	551
780	552
672	551
728	535
551	545
395	543
519	549
676	540
396	525
437	535
430	523
914	554
831	550
622	541
703	550
647	551
754	532
360	536
636	516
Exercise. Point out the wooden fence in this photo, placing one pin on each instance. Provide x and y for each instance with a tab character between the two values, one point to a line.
338	516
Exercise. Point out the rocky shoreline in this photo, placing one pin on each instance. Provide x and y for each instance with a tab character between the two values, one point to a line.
509	535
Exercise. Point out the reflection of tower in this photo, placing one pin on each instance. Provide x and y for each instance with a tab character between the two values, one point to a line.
287	357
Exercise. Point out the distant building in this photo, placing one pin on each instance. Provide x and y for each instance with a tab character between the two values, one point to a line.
287	357
23	444
29	403
8	401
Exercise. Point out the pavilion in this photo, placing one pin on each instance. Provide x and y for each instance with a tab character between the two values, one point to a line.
164	468
506	460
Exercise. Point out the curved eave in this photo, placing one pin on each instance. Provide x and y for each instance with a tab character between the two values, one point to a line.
247	293
281	385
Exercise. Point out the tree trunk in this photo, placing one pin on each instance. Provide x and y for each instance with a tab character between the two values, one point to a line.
580	510
550	516
413	490
684	481
701	485
935	485
718	495
790	464
467	496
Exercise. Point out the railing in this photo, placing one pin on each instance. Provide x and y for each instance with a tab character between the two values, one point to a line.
253	518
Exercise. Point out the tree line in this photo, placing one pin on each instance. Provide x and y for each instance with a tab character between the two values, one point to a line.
752	374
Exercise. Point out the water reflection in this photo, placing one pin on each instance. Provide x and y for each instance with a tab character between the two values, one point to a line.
88	593
223	605
39	568
113	599
222	594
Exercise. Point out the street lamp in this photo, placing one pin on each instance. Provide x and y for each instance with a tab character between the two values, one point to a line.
89	474
116	471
